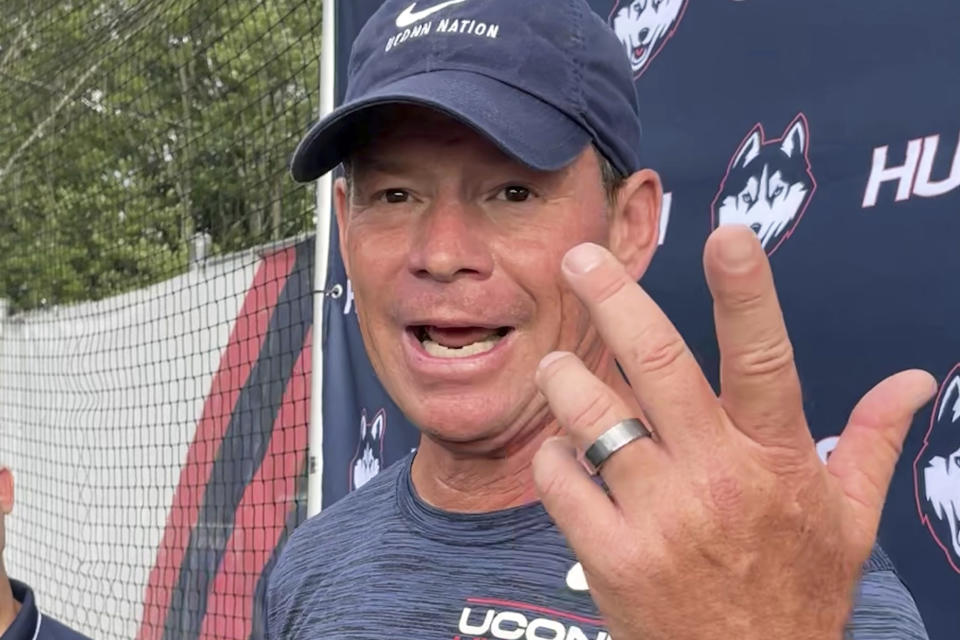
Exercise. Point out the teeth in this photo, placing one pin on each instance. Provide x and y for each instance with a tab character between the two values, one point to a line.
437	350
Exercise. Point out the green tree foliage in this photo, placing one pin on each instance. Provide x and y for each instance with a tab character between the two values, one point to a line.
128	126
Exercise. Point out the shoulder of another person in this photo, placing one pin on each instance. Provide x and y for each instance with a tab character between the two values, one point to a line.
51	629
32	624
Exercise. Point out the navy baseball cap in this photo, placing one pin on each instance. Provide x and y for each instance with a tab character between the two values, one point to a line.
539	78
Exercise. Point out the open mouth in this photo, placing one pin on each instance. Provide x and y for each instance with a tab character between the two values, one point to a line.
458	342
638	52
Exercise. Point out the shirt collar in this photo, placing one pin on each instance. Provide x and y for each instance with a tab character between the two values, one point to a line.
25	625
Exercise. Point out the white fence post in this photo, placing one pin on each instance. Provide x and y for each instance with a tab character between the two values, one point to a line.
322	239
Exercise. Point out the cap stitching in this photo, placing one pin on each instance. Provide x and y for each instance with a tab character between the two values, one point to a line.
578	58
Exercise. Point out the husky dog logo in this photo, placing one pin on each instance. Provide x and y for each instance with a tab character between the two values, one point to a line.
368	461
644	26
768	184
936	471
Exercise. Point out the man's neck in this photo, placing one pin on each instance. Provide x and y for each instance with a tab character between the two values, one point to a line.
476	483
481	482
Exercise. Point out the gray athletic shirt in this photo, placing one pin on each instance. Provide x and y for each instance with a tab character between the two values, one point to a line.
381	563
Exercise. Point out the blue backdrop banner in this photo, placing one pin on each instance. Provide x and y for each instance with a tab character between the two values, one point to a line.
833	130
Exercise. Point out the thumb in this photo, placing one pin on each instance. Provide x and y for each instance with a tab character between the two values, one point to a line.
867	453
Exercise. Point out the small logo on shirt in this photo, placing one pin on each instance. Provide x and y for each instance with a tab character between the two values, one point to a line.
493	619
577	579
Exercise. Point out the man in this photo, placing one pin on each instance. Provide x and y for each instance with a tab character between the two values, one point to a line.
19	617
494	217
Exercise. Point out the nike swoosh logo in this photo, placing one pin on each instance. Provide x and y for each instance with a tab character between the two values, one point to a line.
577	579
409	16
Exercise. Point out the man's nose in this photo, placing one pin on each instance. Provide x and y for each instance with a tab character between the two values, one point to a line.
451	242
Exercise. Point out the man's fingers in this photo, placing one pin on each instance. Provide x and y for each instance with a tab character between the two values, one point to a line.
664	375
578	505
870	444
760	390
587	408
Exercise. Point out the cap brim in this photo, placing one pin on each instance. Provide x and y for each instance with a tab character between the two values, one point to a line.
523	126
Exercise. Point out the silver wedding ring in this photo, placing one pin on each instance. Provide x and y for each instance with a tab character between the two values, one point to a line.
615	438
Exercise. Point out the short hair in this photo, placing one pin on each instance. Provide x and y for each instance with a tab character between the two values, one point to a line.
610	178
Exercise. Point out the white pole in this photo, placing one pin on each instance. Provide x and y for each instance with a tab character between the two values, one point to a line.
322	239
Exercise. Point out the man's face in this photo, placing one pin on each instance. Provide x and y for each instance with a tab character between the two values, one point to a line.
453	250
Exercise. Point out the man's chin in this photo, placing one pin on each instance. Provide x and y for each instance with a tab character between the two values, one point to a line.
461	421
462	429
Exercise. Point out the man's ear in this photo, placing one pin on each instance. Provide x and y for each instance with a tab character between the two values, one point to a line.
6	490
341	202
635	221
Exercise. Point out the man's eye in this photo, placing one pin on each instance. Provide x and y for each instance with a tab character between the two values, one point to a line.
395	196
515	193
956	461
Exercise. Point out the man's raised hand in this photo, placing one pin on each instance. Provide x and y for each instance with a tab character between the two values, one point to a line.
725	524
